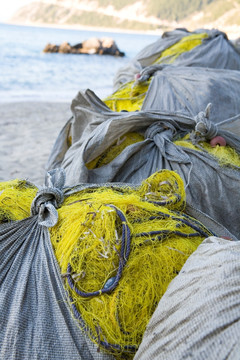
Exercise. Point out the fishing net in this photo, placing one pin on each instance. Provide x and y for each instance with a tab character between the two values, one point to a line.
118	248
187	43
115	149
131	95
16	197
201	48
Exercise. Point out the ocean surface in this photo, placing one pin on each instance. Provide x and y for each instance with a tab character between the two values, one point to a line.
28	74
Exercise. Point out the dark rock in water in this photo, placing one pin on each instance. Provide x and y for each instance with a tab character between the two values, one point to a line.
103	46
51	48
65	48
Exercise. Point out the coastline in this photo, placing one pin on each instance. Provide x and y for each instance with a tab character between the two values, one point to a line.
84	27
232	31
28	133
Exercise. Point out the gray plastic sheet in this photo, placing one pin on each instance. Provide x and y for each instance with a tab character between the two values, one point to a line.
210	187
216	51
189	90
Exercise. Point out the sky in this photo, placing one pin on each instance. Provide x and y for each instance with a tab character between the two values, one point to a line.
9	7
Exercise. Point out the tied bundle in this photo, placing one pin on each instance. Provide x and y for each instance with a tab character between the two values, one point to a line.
225	155
130	96
118	249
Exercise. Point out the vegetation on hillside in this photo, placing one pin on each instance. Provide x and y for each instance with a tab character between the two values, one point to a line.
181	11
53	14
89	18
225	11
163	9
175	10
117	4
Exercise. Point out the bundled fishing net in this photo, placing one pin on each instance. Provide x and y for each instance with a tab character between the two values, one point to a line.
130	96
225	155
118	249
202	47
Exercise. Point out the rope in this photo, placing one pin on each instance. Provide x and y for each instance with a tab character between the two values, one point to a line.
49	198
148	72
105	344
204	128
166	202
164	233
111	283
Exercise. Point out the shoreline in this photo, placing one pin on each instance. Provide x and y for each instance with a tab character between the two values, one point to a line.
84	27
232	31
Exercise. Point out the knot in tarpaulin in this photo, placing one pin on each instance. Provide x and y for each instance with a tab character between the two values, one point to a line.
148	72
205	129
166	130
49	198
162	133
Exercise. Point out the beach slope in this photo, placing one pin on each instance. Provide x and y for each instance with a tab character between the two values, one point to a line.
28	132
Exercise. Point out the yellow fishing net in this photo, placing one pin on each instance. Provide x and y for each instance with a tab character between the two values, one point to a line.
118	249
114	150
16	197
130	96
225	155
186	44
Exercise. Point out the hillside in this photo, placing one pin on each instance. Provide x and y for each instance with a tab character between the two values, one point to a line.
133	15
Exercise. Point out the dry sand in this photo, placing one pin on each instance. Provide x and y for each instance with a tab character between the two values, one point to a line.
28	132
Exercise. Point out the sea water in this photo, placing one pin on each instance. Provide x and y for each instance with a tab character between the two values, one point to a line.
29	74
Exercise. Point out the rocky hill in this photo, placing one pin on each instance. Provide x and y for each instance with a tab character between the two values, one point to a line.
134	15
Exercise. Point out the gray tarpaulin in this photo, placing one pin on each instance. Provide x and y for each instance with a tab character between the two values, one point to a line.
198	317
216	51
36	322
173	92
189	90
210	187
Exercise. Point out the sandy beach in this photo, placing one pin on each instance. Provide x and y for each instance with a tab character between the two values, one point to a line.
28	132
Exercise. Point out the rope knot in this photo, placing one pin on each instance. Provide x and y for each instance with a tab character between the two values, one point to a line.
204	128
49	198
52	195
147	73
